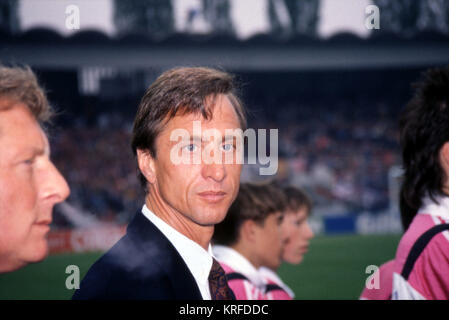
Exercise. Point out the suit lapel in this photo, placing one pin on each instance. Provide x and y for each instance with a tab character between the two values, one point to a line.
146	235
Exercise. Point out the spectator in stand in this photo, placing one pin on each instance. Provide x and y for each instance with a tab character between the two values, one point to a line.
250	237
30	185
357	153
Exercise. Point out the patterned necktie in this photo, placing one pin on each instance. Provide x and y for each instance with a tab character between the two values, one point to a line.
218	285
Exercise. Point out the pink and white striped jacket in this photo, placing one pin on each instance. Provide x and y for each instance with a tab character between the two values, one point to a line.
242	287
385	286
244	279
276	288
429	276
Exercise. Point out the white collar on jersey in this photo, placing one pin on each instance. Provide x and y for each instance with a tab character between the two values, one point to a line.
273	276
439	209
239	263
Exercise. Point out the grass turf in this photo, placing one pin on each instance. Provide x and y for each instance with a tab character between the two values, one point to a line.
334	268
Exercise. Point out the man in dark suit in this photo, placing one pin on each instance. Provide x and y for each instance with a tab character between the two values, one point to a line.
185	141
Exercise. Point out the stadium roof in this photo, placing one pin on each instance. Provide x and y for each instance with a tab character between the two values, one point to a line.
47	48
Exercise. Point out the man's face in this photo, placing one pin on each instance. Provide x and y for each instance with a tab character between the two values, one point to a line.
30	186
196	192
268	241
297	234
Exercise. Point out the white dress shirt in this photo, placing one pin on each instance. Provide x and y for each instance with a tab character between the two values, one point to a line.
198	260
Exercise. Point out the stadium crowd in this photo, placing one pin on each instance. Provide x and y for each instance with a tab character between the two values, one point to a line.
338	153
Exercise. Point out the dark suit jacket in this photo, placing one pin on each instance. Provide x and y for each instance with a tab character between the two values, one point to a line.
141	265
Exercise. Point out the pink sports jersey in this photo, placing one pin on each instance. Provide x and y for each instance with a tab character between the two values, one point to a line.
429	278
232	261
278	294
253	285
243	289
283	292
385	284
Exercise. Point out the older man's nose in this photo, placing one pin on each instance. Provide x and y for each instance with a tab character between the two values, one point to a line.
56	188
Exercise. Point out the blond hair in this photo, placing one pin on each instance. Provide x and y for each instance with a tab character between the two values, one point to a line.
20	85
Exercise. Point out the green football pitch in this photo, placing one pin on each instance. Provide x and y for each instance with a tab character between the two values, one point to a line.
334	268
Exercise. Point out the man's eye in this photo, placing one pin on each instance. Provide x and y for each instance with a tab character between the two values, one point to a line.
191	147
228	147
28	162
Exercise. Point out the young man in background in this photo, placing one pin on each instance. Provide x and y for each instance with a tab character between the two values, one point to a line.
250	237
296	234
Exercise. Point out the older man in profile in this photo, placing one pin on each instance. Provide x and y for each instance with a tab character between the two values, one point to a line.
30	185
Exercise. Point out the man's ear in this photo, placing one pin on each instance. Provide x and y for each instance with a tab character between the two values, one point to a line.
444	161
146	165
248	230
445	151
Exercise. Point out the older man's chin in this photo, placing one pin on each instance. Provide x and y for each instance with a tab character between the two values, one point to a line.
37	253
24	259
